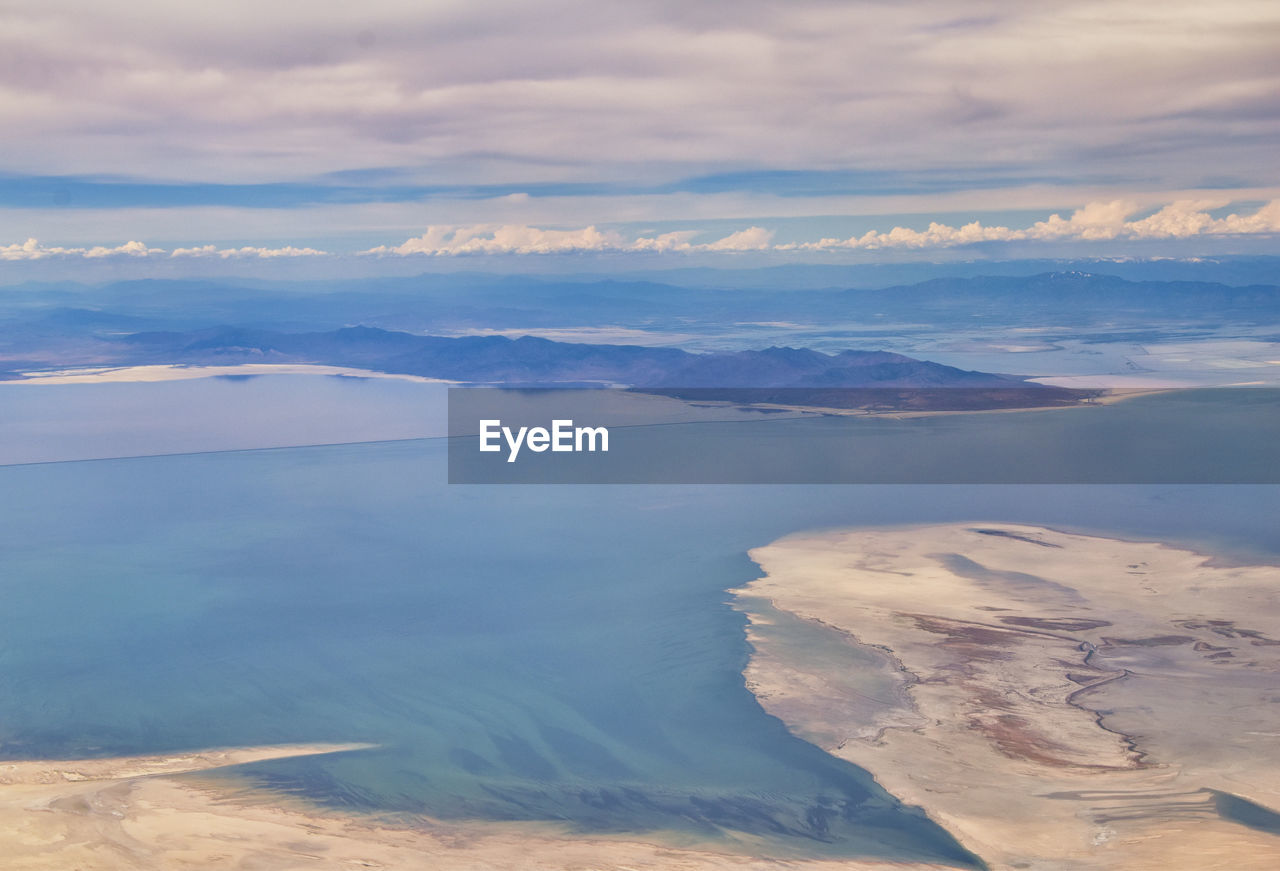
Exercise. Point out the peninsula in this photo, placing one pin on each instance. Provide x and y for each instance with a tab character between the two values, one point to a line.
1054	700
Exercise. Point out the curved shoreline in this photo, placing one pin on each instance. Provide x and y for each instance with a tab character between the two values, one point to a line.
1065	701
135	814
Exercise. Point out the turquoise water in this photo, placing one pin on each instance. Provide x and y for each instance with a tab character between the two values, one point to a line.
532	653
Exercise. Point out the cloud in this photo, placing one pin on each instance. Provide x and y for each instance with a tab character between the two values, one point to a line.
1172	93
674	241
502	239
247	251
33	250
447	240
1099	221
750	239
1102	221
1093	222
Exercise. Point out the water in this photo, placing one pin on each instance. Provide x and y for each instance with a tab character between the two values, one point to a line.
1205	436
42	423
530	653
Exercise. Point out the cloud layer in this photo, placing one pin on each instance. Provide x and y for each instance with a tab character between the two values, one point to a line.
244	131
31	249
604	91
1102	221
520	239
1095	222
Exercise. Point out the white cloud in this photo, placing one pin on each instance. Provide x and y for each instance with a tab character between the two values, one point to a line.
1265	220
28	250
447	240
1094	222
502	239
1178	220
33	250
674	241
750	239
200	251
128	249
247	251
1098	221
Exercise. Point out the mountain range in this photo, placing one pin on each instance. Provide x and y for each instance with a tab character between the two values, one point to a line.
535	361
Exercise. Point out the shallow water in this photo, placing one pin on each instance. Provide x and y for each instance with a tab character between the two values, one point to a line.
535	653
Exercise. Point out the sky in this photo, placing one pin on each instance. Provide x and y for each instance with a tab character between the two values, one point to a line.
665	132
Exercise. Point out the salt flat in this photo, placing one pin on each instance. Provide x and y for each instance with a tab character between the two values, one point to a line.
1054	700
179	372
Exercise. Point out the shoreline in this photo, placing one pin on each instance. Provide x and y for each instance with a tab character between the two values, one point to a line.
183	372
1059	700
1106	396
153	813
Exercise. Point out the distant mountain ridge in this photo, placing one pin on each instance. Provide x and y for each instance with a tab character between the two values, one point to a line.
535	361
1057	303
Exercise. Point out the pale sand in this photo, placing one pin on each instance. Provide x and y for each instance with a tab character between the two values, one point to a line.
1107	396
1055	701
131	814
1120	382
177	372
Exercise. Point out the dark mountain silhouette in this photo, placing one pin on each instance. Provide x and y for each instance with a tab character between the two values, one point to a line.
535	361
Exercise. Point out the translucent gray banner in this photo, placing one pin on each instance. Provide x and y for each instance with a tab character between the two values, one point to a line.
891	436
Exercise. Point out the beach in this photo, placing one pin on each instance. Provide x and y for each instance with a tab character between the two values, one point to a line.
1053	700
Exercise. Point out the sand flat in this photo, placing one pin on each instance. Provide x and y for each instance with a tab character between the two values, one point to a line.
135	814
1063	701
181	372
